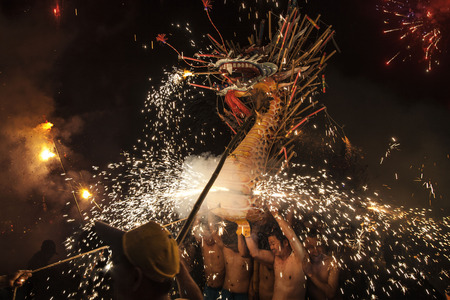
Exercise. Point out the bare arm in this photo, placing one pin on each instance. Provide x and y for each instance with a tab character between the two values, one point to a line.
186	285
293	239
330	287
264	256
242	247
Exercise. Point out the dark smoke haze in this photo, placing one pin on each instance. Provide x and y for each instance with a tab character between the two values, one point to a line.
33	193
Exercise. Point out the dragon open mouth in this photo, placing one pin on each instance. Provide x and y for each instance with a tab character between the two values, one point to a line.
245	70
241	70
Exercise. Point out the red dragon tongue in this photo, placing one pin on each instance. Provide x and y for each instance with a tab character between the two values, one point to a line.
236	105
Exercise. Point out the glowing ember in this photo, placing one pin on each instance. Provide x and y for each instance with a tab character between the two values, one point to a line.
57	11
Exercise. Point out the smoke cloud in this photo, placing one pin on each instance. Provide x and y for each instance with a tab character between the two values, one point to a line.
32	191
196	172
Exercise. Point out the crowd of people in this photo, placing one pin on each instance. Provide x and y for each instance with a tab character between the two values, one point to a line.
269	258
263	260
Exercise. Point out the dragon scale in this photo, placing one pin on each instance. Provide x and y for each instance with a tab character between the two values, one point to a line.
246	164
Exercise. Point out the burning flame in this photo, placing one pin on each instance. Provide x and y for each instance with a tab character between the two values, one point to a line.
46	154
47	125
85	194
187	73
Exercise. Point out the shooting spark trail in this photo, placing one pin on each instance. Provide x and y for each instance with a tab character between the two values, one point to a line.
393	145
421	25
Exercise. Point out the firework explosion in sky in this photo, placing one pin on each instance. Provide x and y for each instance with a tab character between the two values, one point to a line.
384	250
422	26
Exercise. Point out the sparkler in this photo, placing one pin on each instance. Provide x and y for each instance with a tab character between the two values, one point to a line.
86	194
421	25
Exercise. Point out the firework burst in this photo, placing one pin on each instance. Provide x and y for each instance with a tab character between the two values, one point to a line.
420	26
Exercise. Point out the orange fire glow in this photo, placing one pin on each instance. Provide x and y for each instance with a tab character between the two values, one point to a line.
85	194
46	154
57	11
47	125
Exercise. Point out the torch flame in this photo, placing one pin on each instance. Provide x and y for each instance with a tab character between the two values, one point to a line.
46	154
187	73
47	125
85	194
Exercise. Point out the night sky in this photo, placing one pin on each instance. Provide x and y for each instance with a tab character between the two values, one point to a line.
89	72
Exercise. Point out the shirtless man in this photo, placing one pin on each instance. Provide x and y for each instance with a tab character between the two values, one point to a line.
322	271
286	256
263	274
238	267
213	259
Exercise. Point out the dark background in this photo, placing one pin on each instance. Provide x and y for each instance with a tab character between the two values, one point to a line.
87	74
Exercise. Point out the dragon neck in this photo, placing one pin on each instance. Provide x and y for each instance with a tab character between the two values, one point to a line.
252	152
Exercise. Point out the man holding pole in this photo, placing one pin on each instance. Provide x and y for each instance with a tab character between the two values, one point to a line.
286	255
14	280
146	259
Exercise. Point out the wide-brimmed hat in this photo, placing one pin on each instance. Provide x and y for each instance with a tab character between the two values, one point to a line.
149	247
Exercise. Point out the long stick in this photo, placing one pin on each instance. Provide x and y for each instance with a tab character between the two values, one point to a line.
174	222
70	184
198	203
69	259
60	262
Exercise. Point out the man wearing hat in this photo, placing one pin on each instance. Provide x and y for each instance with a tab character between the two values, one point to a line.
145	260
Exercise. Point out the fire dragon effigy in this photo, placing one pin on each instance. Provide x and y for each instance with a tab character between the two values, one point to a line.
273	80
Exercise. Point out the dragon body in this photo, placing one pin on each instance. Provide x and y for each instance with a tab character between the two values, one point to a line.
275	82
246	163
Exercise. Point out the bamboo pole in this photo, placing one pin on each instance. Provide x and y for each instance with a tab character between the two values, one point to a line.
297	46
198	203
69	259
270	25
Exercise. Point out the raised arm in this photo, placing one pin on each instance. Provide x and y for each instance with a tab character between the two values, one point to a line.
242	247
264	256
293	239
331	286
186	285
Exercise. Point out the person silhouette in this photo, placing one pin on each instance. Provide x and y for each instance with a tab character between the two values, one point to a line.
37	286
43	256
